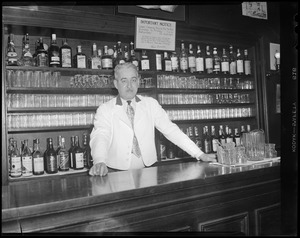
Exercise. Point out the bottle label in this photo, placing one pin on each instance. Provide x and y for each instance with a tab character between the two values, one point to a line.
54	60
208	63
215	145
42	60
38	164
51	164
247	67
237	141
27	165
81	63
96	63
240	68
168	65
145	64
225	66
63	161
158	62
199	64
207	147
66	61
174	62
192	61
12	54
183	63
107	63
15	167
232	68
79	160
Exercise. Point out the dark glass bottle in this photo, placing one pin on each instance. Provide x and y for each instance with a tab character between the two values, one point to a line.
216	61
51	159
239	62
71	152
162	146
65	53
77	155
191	59
214	139
224	63
166	63
247	63
232	61
63	157
133	58
222	136
53	53
106	61
230	137
26	158
237	137
198	141
207	144
208	61
183	58
38	160
87	158
126	54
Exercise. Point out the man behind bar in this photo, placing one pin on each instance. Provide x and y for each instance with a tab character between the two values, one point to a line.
120	142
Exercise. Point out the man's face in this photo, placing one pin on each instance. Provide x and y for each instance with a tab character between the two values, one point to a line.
127	82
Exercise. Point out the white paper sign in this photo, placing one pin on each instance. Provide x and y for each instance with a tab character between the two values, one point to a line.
155	34
255	9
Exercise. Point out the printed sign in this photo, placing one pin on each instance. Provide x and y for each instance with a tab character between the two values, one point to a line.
255	10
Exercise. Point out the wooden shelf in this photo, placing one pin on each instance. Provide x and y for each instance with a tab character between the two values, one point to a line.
200	90
51	109
44	129
212	120
214	105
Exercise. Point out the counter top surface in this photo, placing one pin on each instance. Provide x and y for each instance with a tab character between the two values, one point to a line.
83	187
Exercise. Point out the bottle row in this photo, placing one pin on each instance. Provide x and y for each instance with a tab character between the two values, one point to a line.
204	114
26	162
192	82
218	98
30	120
56	100
207	141
193	60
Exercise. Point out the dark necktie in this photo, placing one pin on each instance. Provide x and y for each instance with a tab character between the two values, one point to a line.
135	146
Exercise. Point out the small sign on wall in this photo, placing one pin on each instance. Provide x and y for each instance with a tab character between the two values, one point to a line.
153	34
255	10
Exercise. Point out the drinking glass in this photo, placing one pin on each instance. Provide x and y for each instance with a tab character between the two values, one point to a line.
19	78
10	75
28	79
48	78
36	80
270	151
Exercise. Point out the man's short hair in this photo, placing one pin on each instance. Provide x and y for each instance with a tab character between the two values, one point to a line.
126	65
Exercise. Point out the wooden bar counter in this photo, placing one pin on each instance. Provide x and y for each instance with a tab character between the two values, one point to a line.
185	196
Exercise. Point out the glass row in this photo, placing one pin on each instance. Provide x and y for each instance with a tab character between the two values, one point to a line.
220	98
175	81
55	100
34	79
49	120
220	113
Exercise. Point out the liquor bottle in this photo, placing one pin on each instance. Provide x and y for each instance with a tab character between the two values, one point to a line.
214	139
183	59
133	58
34	56
87	158
37	158
114	56
51	159
170	150
65	52
174	62
41	54
63	157
26	158
247	63
222	137
58	148
208	61
237	137
199	60
126	54
71	152
224	62
198	141
207	143
53	53
77	155
239	62
106	61
242	132
11	54
248	128
166	63
80	60
191	59
95	61
232	61
26	58
158	61
145	62
162	146
230	136
120	56
9	150
15	161
216	61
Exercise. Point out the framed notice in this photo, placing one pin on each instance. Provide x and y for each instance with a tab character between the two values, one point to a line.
153	34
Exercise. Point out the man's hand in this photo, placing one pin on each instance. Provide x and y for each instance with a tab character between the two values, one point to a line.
208	157
98	169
